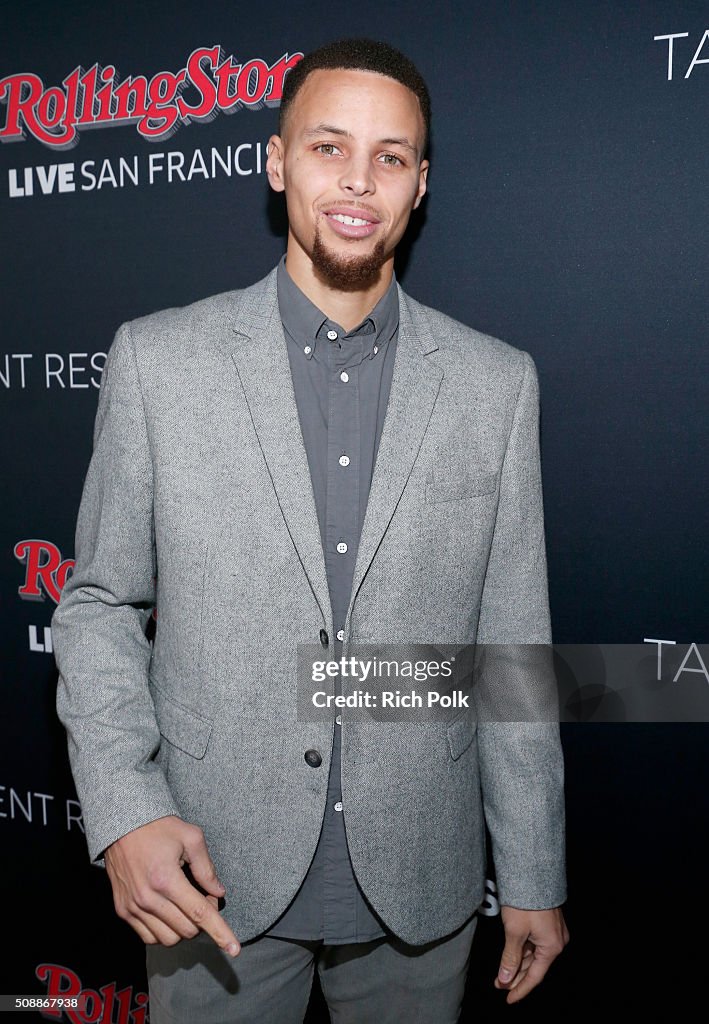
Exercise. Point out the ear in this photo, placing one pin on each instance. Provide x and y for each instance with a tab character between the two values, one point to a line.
274	163
423	176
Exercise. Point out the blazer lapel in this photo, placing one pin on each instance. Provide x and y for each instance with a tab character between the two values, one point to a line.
258	348
414	388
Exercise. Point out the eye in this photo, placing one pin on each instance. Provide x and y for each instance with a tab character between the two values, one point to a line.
392	159
326	148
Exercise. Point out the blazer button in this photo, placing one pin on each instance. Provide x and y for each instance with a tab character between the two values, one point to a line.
313	758
324	638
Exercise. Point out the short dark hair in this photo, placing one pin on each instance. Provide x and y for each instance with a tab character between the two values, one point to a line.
359	55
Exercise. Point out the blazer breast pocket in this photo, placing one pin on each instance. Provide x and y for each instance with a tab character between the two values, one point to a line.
451	486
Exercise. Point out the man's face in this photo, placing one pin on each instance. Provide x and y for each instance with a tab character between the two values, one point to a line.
350	149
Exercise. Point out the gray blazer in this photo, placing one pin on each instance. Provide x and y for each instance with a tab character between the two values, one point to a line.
198	499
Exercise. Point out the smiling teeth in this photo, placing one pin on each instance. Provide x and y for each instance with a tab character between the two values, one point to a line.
349	220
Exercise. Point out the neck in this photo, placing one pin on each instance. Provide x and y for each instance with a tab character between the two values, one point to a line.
347	308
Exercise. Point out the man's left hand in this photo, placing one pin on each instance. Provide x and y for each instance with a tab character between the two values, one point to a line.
533	940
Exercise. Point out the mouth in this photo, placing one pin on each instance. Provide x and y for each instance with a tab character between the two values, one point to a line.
352	223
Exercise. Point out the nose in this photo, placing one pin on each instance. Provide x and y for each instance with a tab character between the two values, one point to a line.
357	176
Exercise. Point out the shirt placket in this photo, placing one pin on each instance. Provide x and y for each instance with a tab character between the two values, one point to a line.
342	537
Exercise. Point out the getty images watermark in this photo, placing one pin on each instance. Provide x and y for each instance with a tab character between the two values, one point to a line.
656	681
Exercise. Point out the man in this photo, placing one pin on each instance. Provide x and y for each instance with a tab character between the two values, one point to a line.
316	459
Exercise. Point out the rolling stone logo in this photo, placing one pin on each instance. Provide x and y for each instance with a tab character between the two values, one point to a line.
68	1000
96	98
45	570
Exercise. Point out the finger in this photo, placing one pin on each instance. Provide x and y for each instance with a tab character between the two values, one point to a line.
523	969
532	978
200	911
526	961
145	934
529	950
162	933
148	905
510	960
201	864
518	978
171	916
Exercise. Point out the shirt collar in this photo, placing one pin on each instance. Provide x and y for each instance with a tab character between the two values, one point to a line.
305	323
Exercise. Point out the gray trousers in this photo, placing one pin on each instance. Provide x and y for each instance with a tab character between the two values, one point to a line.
269	982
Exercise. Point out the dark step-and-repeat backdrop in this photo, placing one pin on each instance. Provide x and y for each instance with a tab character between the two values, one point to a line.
567	215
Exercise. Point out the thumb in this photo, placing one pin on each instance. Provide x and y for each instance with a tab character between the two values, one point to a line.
201	865
510	960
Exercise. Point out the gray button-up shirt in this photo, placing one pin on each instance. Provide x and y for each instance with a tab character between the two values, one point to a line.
341	381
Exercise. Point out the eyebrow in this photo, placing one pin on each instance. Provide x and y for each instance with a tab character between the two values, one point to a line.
331	129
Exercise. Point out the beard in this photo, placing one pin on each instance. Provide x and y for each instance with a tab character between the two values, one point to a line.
347	273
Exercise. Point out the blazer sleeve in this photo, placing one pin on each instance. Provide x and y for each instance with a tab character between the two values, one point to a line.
98	627
521	761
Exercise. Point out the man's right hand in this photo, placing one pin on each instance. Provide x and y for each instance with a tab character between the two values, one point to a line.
151	891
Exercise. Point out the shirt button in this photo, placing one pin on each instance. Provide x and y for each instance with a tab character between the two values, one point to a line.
344	376
338	719
332	335
344	460
342	547
375	349
340	634
338	805
307	350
